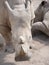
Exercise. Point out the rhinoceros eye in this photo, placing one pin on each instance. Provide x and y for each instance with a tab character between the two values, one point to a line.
30	47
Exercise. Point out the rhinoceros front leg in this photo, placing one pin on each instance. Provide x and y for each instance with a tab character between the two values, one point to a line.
6	33
39	26
9	47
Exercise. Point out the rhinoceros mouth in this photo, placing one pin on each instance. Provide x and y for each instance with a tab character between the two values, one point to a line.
21	58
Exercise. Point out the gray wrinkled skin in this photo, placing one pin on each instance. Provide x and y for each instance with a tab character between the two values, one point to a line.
5	26
20	19
41	21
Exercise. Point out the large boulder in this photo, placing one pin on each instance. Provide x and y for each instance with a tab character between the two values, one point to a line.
41	20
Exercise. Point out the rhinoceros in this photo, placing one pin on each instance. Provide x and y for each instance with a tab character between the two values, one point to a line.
20	19
41	20
5	25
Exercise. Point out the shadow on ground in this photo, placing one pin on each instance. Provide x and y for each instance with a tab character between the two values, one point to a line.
5	58
7	64
41	38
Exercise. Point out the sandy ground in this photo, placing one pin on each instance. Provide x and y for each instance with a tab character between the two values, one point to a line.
40	52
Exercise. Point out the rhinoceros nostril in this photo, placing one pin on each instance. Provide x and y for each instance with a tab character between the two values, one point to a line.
5	50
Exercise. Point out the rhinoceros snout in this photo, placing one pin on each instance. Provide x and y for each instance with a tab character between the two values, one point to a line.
24	53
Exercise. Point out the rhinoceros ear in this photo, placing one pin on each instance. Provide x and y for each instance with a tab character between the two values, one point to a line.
8	6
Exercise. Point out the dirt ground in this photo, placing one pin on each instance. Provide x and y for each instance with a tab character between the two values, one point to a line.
40	52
